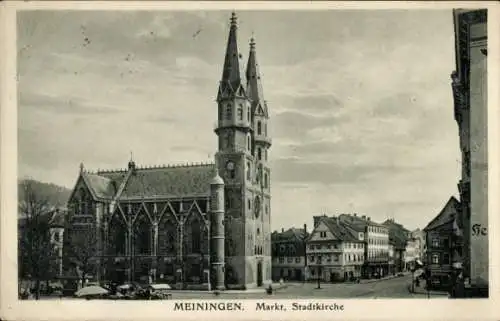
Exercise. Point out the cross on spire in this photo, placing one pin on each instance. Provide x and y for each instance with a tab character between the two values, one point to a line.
234	19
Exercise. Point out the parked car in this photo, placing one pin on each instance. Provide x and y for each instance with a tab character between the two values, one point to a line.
159	291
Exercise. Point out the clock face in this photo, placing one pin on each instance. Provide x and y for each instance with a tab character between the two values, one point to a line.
230	166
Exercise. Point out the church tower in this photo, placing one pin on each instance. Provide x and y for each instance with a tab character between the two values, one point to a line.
246	195
260	150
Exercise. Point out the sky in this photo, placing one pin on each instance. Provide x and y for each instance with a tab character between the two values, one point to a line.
361	110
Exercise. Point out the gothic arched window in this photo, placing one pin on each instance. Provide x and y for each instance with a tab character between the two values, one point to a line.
229	111
195	236
118	236
259	154
249	143
248	114
81	204
259	128
227	140
266	184
249	171
143	236
240	112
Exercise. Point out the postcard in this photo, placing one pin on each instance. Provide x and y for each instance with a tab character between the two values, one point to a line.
249	160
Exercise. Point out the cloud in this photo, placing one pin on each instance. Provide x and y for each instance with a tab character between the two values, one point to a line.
59	105
296	125
159	28
361	112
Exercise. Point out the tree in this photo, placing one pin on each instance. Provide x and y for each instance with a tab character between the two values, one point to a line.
81	246
36	251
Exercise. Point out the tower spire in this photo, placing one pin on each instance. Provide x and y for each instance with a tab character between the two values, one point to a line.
231	72
254	83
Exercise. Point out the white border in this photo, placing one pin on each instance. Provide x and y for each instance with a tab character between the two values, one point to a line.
12	309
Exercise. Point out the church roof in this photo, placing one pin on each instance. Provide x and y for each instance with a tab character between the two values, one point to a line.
103	187
157	182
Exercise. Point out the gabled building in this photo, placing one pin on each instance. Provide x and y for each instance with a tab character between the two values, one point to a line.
398	238
289	254
334	252
376	248
418	236
442	249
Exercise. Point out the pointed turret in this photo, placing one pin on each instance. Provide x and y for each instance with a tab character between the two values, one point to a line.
254	83
231	79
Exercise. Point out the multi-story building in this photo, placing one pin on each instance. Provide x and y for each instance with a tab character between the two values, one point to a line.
392	266
376	243
398	237
334	252
441	249
188	225
419	237
469	85
411	253
289	254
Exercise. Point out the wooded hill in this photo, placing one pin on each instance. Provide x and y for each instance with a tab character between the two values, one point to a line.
56	195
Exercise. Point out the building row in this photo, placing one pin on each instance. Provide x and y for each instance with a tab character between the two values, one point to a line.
344	247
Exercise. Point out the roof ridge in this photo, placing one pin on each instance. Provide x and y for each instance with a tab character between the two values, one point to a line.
163	166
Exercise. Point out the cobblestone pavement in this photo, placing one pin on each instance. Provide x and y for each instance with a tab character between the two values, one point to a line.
397	287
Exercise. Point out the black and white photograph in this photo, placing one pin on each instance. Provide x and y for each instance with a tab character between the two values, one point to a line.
202	156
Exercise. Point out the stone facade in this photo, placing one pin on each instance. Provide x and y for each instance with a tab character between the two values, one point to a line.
187	225
469	84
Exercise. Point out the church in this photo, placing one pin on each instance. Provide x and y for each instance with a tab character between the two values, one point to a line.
193	226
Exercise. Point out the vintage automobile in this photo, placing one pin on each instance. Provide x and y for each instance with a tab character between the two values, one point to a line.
159	291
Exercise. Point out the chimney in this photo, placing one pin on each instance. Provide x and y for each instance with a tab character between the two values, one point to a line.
368	218
305	228
363	217
282	230
355	214
316	220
